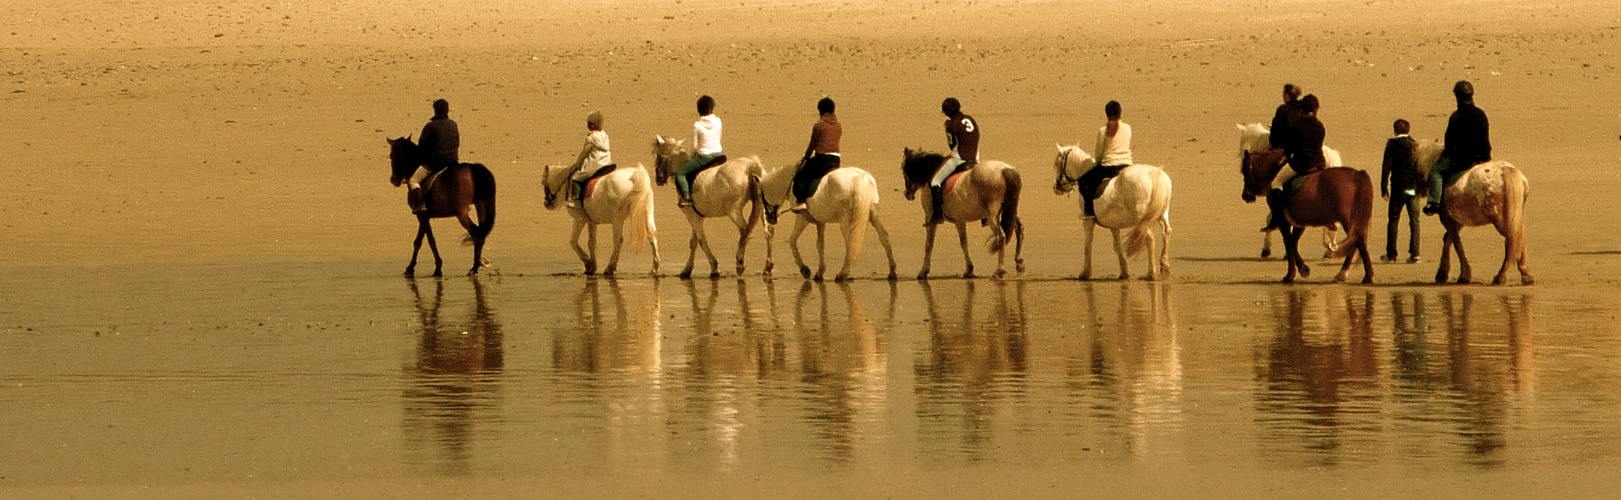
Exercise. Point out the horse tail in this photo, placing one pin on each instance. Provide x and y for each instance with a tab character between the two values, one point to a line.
1356	229
638	210
1516	192
864	201
1008	223
756	196
483	200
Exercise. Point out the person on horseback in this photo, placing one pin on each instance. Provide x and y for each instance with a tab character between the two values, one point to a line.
440	141
706	149
1468	143
1398	182
821	156
1304	156
962	135
1113	154
1283	120
594	159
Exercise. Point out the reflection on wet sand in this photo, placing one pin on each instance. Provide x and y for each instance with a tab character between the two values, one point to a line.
457	374
1123	375
975	360
1322	395
728	354
844	366
611	358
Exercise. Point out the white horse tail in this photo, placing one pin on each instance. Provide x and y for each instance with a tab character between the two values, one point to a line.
1008	222
864	199
638	210
755	194
1516	192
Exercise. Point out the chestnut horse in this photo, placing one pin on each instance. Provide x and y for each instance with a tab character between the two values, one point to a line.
449	193
1332	196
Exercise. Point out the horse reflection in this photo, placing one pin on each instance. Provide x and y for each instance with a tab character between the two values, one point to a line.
1127	372
1320	374
976	359
1485	366
844	362
728	355
456	375
611	357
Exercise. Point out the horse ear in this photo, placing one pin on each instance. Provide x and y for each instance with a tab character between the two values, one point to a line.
1059	146
1239	125
660	139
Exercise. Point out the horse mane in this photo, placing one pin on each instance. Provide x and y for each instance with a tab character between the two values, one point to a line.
1254	137
920	165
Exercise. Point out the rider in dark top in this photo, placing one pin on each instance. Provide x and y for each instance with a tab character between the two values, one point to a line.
1468	143
1283	120
440	141
962	134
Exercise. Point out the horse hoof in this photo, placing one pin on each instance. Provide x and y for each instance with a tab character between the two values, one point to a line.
1084	276
922	276
686	275
968	275
1288	279
1305	271
841	278
438	274
999	274
1441	278
1367	280
714	275
410	273
804	272
1464	280
1266	253
609	272
892	276
817	278
1527	281
1019	265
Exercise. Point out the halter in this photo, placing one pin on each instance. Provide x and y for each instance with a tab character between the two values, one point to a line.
1063	172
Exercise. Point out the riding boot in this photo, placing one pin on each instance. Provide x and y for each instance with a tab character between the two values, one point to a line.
1432	208
1087	211
576	193
1275	203
413	197
937	212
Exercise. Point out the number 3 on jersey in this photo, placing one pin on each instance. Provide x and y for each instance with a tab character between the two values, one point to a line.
968	125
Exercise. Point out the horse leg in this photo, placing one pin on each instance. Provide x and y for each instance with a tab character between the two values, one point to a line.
1445	266
1291	240
1018	247
1153	268
619	240
1521	258
1266	244
703	242
821	251
697	225
1120	254
416	246
478	243
854	230
1086	230
1513	253
743	230
962	240
1464	273
438	263
883	237
574	241
793	243
1330	241
591	240
928	250
653	244
1367	265
1165	244
770	232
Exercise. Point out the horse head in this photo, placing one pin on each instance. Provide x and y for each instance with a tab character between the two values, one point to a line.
1070	164
1259	168
918	168
551	188
403	158
668	155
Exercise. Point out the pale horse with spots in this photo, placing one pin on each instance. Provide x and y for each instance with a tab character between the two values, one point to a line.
1492	193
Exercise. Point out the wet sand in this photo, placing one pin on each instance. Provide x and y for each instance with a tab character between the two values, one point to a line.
201	292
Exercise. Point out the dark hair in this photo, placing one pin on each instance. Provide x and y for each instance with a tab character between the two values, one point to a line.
1463	89
1112	110
706	105
1309	103
950	106
1402	126
441	107
1291	90
825	105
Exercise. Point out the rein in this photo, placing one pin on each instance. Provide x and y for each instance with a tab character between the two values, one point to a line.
1063	173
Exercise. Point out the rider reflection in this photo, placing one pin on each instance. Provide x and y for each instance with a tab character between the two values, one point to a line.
456	374
844	364
976	359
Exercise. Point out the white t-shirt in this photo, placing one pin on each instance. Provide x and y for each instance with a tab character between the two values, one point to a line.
1114	151
706	135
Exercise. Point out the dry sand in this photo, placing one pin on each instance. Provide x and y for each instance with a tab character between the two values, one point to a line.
211	130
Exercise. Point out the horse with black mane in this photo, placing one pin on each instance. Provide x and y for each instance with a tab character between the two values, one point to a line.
450	192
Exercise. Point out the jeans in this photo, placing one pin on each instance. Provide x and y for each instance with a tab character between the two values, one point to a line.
1439	174
1403	201
811	173
683	182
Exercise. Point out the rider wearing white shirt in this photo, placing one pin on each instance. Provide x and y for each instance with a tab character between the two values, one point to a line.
1113	154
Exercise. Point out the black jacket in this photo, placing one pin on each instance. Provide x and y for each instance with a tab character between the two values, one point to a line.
440	141
1468	139
1400	170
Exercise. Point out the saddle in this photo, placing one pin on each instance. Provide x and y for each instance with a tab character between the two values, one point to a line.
951	180
433	176
591	183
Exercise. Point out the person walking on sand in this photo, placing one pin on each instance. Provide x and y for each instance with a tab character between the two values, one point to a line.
1468	143
962	135
1113	153
706	149
821	156
594	160
440	141
1399	180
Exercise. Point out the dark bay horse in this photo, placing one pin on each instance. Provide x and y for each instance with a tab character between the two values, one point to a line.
450	193
1332	196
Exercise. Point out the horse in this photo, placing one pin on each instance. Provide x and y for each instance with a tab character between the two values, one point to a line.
1492	193
847	196
1256	137
722	190
1336	195
1135	199
988	193
448	193
614	198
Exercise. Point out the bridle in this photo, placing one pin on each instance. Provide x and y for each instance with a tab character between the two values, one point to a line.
1063	172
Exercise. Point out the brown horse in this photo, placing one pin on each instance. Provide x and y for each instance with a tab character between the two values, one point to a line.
449	193
1332	196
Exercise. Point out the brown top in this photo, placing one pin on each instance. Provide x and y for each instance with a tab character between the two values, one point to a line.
825	136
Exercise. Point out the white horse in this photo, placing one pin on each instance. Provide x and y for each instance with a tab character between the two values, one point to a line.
720	191
1136	199
847	196
619	197
988	193
1492	193
1256	137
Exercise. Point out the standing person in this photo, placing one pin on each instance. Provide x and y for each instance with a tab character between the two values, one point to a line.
1468	143
821	156
440	142
962	135
706	149
595	159
1399	182
1113	153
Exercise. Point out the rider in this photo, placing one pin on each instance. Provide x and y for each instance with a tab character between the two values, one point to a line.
1283	120
440	141
706	149
1305	158
1468	143
821	156
962	134
594	159
1113	154
1398	182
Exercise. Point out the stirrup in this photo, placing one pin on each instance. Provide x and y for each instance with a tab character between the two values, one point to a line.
799	207
1432	208
684	202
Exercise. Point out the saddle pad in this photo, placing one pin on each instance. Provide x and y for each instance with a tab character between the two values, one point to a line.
590	187
951	182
